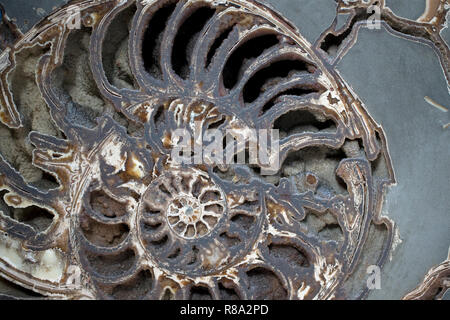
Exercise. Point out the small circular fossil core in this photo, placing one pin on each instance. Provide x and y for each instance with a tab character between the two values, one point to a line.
190	211
181	215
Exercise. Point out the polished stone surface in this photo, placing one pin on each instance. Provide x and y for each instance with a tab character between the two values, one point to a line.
409	9
392	76
312	17
393	83
27	13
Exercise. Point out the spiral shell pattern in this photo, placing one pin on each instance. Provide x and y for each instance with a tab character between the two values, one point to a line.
128	222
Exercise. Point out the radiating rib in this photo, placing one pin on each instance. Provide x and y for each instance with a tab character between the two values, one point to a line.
168	39
305	84
212	30
142	18
236	39
278	53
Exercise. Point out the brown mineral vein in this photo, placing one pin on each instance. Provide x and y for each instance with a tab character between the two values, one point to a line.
426	29
434	285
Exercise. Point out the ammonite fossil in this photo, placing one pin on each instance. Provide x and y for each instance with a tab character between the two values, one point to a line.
92	203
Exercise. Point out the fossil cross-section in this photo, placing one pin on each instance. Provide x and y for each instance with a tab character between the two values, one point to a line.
93	203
